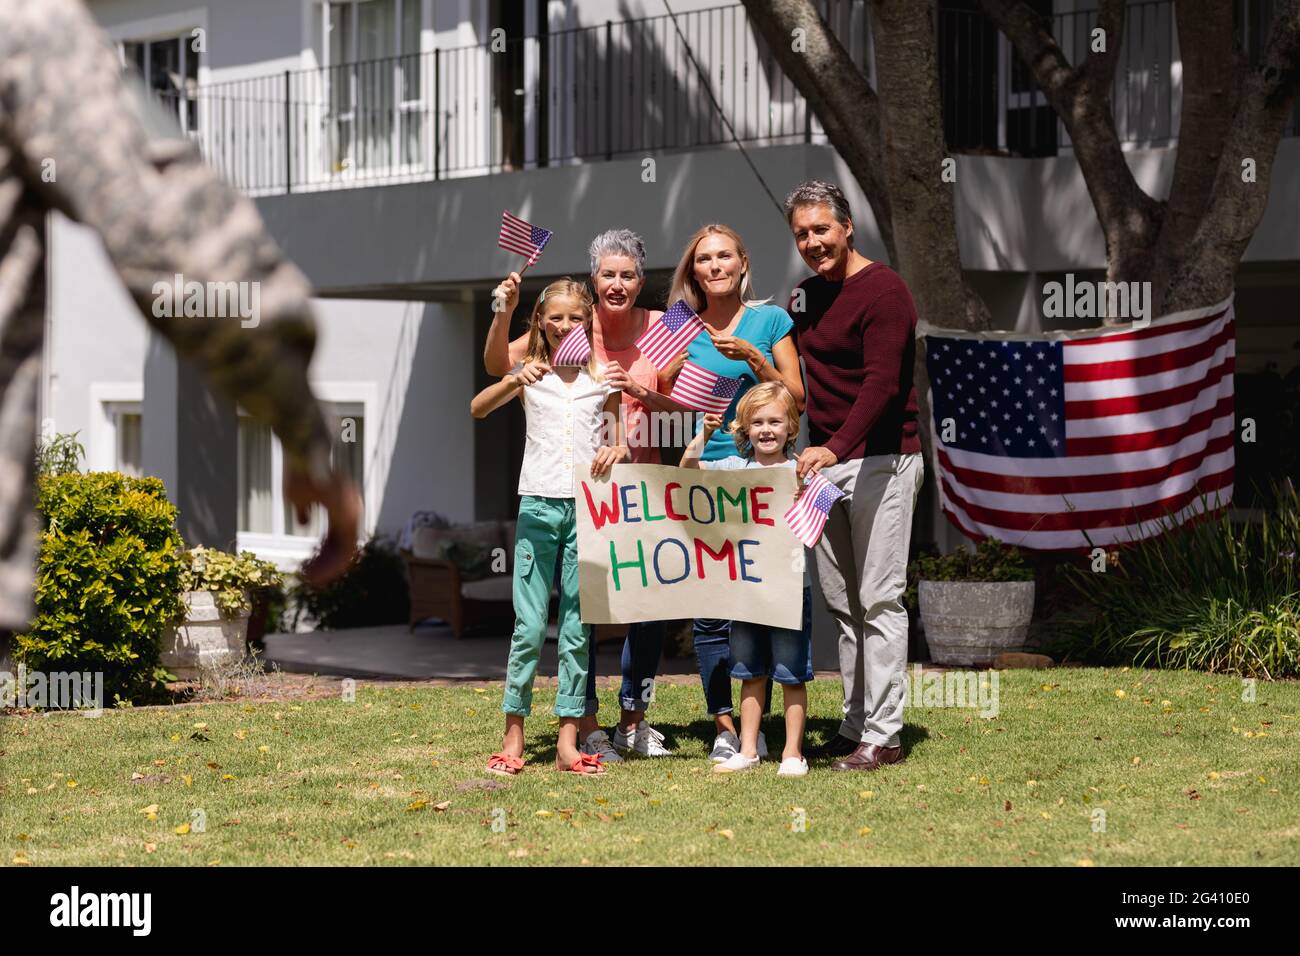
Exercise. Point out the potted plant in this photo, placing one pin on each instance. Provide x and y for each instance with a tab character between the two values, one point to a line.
217	596
975	604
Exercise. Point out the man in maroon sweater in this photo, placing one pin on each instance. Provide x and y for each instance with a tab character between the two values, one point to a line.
855	327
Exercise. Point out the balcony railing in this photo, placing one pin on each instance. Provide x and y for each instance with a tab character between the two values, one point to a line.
630	88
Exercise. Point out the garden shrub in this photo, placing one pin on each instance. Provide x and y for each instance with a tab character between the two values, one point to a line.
1220	594
108	580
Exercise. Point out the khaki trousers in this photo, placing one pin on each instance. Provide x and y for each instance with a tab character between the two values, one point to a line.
862	571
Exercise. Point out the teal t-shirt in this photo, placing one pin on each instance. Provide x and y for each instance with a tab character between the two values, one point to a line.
762	326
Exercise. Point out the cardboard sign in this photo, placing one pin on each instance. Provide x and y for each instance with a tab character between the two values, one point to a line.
659	543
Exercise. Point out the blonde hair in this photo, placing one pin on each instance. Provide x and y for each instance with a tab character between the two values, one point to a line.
684	285
539	349
751	402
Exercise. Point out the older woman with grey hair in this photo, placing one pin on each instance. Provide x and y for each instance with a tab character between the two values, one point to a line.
617	275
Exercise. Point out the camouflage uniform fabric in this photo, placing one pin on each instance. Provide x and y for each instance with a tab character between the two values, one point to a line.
75	137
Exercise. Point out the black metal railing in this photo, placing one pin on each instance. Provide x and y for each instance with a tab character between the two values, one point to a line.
630	87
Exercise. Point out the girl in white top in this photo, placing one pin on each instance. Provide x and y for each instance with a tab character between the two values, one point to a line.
571	414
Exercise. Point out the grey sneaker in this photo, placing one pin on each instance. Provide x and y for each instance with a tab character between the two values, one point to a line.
597	744
641	739
724	745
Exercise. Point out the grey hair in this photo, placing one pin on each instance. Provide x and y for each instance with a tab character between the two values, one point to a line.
618	242
814	192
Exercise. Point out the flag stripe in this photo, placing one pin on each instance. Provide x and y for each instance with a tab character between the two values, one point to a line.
1140	385
1088	465
1164	486
1144	364
1072	484
1162	438
1061	520
1148	401
1154	420
1150	331
1075	540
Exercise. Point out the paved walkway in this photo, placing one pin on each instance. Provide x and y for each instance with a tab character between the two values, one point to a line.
432	651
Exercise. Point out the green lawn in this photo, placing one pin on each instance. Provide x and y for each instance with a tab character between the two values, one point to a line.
1203	779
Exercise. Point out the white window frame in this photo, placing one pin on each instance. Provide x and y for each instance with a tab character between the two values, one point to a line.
168	26
401	108
107	401
286	550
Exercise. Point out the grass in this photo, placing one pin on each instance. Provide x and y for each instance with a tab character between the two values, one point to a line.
1205	779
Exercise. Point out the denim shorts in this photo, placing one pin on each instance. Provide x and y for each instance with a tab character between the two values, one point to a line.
759	650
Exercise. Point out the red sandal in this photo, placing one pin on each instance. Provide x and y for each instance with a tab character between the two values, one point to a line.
505	765
588	765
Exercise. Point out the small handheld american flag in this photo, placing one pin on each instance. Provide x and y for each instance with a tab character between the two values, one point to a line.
522	237
807	516
698	388
666	339
574	350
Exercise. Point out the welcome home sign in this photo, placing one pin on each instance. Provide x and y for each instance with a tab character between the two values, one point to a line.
658	543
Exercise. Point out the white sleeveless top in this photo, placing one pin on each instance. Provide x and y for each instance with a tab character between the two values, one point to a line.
564	428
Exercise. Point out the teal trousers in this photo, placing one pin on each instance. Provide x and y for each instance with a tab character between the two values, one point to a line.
547	527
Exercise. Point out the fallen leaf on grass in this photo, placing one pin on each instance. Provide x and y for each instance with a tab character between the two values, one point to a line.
727	834
183	829
440	807
150	847
864	831
20	859
417	805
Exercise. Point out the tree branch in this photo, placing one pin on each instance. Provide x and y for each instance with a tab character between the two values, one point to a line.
1080	96
836	91
1236	206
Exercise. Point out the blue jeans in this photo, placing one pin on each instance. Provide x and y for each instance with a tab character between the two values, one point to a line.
713	654
641	652
759	650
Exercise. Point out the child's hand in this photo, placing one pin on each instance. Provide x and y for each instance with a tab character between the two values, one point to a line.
606	457
505	297
530	374
712	422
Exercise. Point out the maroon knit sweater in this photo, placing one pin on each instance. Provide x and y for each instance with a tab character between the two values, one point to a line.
858	342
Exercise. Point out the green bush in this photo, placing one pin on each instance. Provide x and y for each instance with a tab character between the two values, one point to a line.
990	561
108	579
372	592
230	577
1219	595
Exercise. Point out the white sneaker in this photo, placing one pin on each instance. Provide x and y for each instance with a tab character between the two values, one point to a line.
762	745
736	761
793	767
597	744
724	745
643	739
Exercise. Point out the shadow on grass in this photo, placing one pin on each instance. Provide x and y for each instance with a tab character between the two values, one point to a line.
817	731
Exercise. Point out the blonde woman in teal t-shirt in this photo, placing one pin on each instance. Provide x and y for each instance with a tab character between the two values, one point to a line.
747	339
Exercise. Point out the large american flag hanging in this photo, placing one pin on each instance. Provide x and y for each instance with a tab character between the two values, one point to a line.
1111	432
522	237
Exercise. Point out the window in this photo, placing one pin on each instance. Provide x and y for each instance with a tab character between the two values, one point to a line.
170	70
373	68
262	508
123	437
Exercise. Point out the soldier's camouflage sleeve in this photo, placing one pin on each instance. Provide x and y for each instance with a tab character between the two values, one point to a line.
160	212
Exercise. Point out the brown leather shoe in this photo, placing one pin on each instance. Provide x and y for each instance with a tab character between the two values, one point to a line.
869	757
837	746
